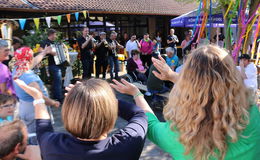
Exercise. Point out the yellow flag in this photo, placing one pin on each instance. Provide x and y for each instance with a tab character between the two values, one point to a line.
85	14
36	22
68	18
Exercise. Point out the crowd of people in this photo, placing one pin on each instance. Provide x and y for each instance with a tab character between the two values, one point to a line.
211	112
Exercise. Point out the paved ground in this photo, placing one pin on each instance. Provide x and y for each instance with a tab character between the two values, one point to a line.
150	151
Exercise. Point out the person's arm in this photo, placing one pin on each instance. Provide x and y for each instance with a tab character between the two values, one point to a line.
41	111
176	40
119	45
4	76
242	70
48	101
39	57
84	45
138	44
165	73
130	89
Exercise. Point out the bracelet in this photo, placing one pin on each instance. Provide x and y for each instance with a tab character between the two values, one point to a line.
38	101
138	94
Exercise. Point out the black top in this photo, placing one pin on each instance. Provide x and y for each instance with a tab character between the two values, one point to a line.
131	65
125	144
102	50
85	52
112	43
48	42
170	38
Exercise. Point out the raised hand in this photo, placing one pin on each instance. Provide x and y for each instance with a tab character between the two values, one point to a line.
69	88
165	72
35	93
125	87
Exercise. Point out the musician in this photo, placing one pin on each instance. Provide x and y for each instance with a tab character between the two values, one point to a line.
113	58
102	55
172	40
86	44
54	70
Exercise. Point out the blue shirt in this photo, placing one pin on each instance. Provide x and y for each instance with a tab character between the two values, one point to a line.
178	69
28	77
173	61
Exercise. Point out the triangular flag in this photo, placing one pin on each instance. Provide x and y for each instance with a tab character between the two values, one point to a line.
85	14
68	17
59	19
22	23
48	21
37	22
77	16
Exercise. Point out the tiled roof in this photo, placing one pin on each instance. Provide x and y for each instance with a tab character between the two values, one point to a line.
159	7
13	4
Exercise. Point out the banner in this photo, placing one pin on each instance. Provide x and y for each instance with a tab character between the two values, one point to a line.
77	16
48	21
36	22
68	17
59	19
22	23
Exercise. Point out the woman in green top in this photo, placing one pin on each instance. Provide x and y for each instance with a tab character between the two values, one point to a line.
209	115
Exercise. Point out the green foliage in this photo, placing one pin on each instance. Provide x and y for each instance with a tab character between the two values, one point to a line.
31	38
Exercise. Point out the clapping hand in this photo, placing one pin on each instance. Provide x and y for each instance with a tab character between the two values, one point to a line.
48	50
125	87
69	88
165	72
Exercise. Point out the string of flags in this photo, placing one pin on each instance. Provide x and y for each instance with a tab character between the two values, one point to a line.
22	21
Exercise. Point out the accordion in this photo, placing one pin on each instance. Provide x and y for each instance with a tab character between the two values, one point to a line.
62	54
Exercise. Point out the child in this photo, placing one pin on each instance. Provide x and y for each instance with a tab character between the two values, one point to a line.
7	107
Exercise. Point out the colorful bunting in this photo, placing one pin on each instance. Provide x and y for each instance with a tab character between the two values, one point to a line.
36	22
22	23
77	16
48	21
59	19
68	17
85	14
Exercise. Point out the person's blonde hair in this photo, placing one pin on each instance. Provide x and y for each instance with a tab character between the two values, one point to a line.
90	109
209	103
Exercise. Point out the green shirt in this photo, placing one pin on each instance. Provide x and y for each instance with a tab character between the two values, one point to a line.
246	148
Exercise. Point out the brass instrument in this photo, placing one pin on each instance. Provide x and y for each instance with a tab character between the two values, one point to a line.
7	27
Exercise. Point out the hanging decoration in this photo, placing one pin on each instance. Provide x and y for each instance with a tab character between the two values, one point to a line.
255	38
48	21
68	17
244	25
22	23
77	16
36	22
58	20
85	14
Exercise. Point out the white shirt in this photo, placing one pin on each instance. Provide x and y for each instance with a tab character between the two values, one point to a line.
131	45
251	74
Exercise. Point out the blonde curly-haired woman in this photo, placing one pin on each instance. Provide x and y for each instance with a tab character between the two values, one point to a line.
209	115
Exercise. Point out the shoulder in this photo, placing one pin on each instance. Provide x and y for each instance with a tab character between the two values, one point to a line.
3	68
